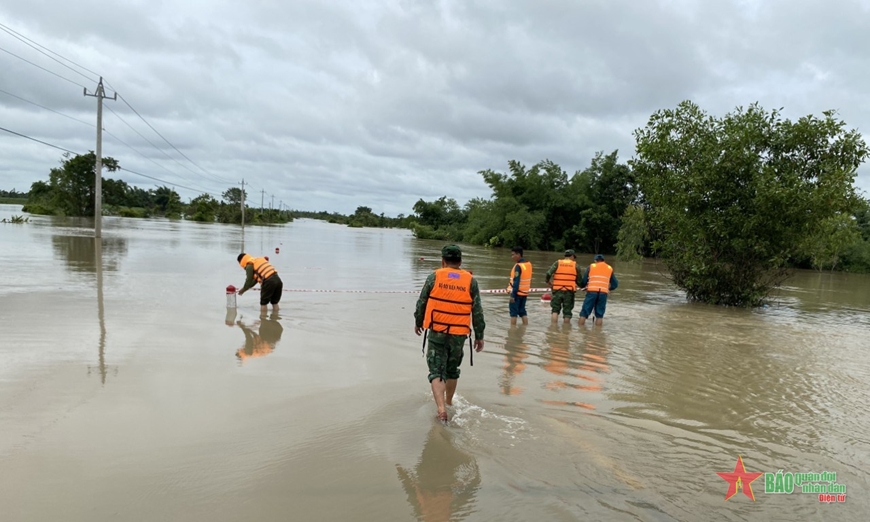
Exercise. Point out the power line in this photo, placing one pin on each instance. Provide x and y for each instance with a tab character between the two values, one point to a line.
156	147
91	125
119	167
27	42
47	108
161	150
168	183
39	141
43	68
39	48
167	141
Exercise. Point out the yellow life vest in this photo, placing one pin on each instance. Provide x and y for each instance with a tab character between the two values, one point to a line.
565	277
525	279
598	278
448	309
262	269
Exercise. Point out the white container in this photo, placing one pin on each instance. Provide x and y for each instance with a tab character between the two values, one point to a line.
231	296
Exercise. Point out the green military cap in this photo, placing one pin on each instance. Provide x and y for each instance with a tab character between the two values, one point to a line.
451	252
569	252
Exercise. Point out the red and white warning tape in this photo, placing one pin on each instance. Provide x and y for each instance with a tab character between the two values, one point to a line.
500	291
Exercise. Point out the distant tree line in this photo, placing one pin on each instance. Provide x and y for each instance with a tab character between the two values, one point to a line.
362	217
69	191
12	196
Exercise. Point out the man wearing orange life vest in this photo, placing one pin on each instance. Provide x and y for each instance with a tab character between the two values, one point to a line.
258	270
448	309
564	279
598	281
519	286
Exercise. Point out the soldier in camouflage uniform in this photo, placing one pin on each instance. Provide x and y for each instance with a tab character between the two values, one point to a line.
564	279
448	309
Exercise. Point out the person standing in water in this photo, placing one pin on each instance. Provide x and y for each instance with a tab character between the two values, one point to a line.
259	270
448	309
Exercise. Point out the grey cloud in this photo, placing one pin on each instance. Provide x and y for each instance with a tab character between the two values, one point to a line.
379	104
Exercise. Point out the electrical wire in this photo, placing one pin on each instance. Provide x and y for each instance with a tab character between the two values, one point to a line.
38	141
27	42
43	68
159	149
119	168
216	178
47	108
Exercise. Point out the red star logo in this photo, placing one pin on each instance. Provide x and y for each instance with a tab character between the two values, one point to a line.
739	478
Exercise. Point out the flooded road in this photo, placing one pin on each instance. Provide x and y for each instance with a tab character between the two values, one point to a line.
128	391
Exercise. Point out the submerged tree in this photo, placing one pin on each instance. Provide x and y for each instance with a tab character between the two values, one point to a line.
730	200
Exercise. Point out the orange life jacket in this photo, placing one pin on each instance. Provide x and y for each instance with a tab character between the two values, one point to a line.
598	278
525	279
448	309
565	277
262	269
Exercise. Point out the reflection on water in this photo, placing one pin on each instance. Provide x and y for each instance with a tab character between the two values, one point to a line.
576	371
261	337
515	353
78	252
444	484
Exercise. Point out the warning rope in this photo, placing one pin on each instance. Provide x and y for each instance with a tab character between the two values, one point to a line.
500	291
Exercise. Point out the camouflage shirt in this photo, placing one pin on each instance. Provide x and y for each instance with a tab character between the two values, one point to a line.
476	308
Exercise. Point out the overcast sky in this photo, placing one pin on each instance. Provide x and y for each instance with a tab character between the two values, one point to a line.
329	105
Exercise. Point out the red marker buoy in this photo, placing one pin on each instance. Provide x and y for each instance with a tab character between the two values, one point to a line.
546	297
277	250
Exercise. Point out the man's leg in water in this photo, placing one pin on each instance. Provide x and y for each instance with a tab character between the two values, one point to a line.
455	345
451	389
437	358
438	392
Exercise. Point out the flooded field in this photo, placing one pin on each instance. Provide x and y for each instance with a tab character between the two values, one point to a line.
128	390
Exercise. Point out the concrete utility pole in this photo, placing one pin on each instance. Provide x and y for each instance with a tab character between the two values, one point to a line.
98	168
262	195
243	204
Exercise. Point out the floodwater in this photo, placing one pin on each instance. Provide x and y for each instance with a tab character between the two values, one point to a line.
128	390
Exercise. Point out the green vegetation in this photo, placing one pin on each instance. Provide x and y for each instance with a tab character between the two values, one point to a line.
731	203
362	217
16	220
70	192
538	208
12	197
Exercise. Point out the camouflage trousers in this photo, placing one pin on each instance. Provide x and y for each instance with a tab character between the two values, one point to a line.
562	300
444	355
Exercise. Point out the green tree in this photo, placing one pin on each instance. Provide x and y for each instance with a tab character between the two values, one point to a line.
233	196
168	201
730	200
203	208
72	185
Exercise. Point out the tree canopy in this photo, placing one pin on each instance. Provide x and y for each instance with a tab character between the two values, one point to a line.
730	201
